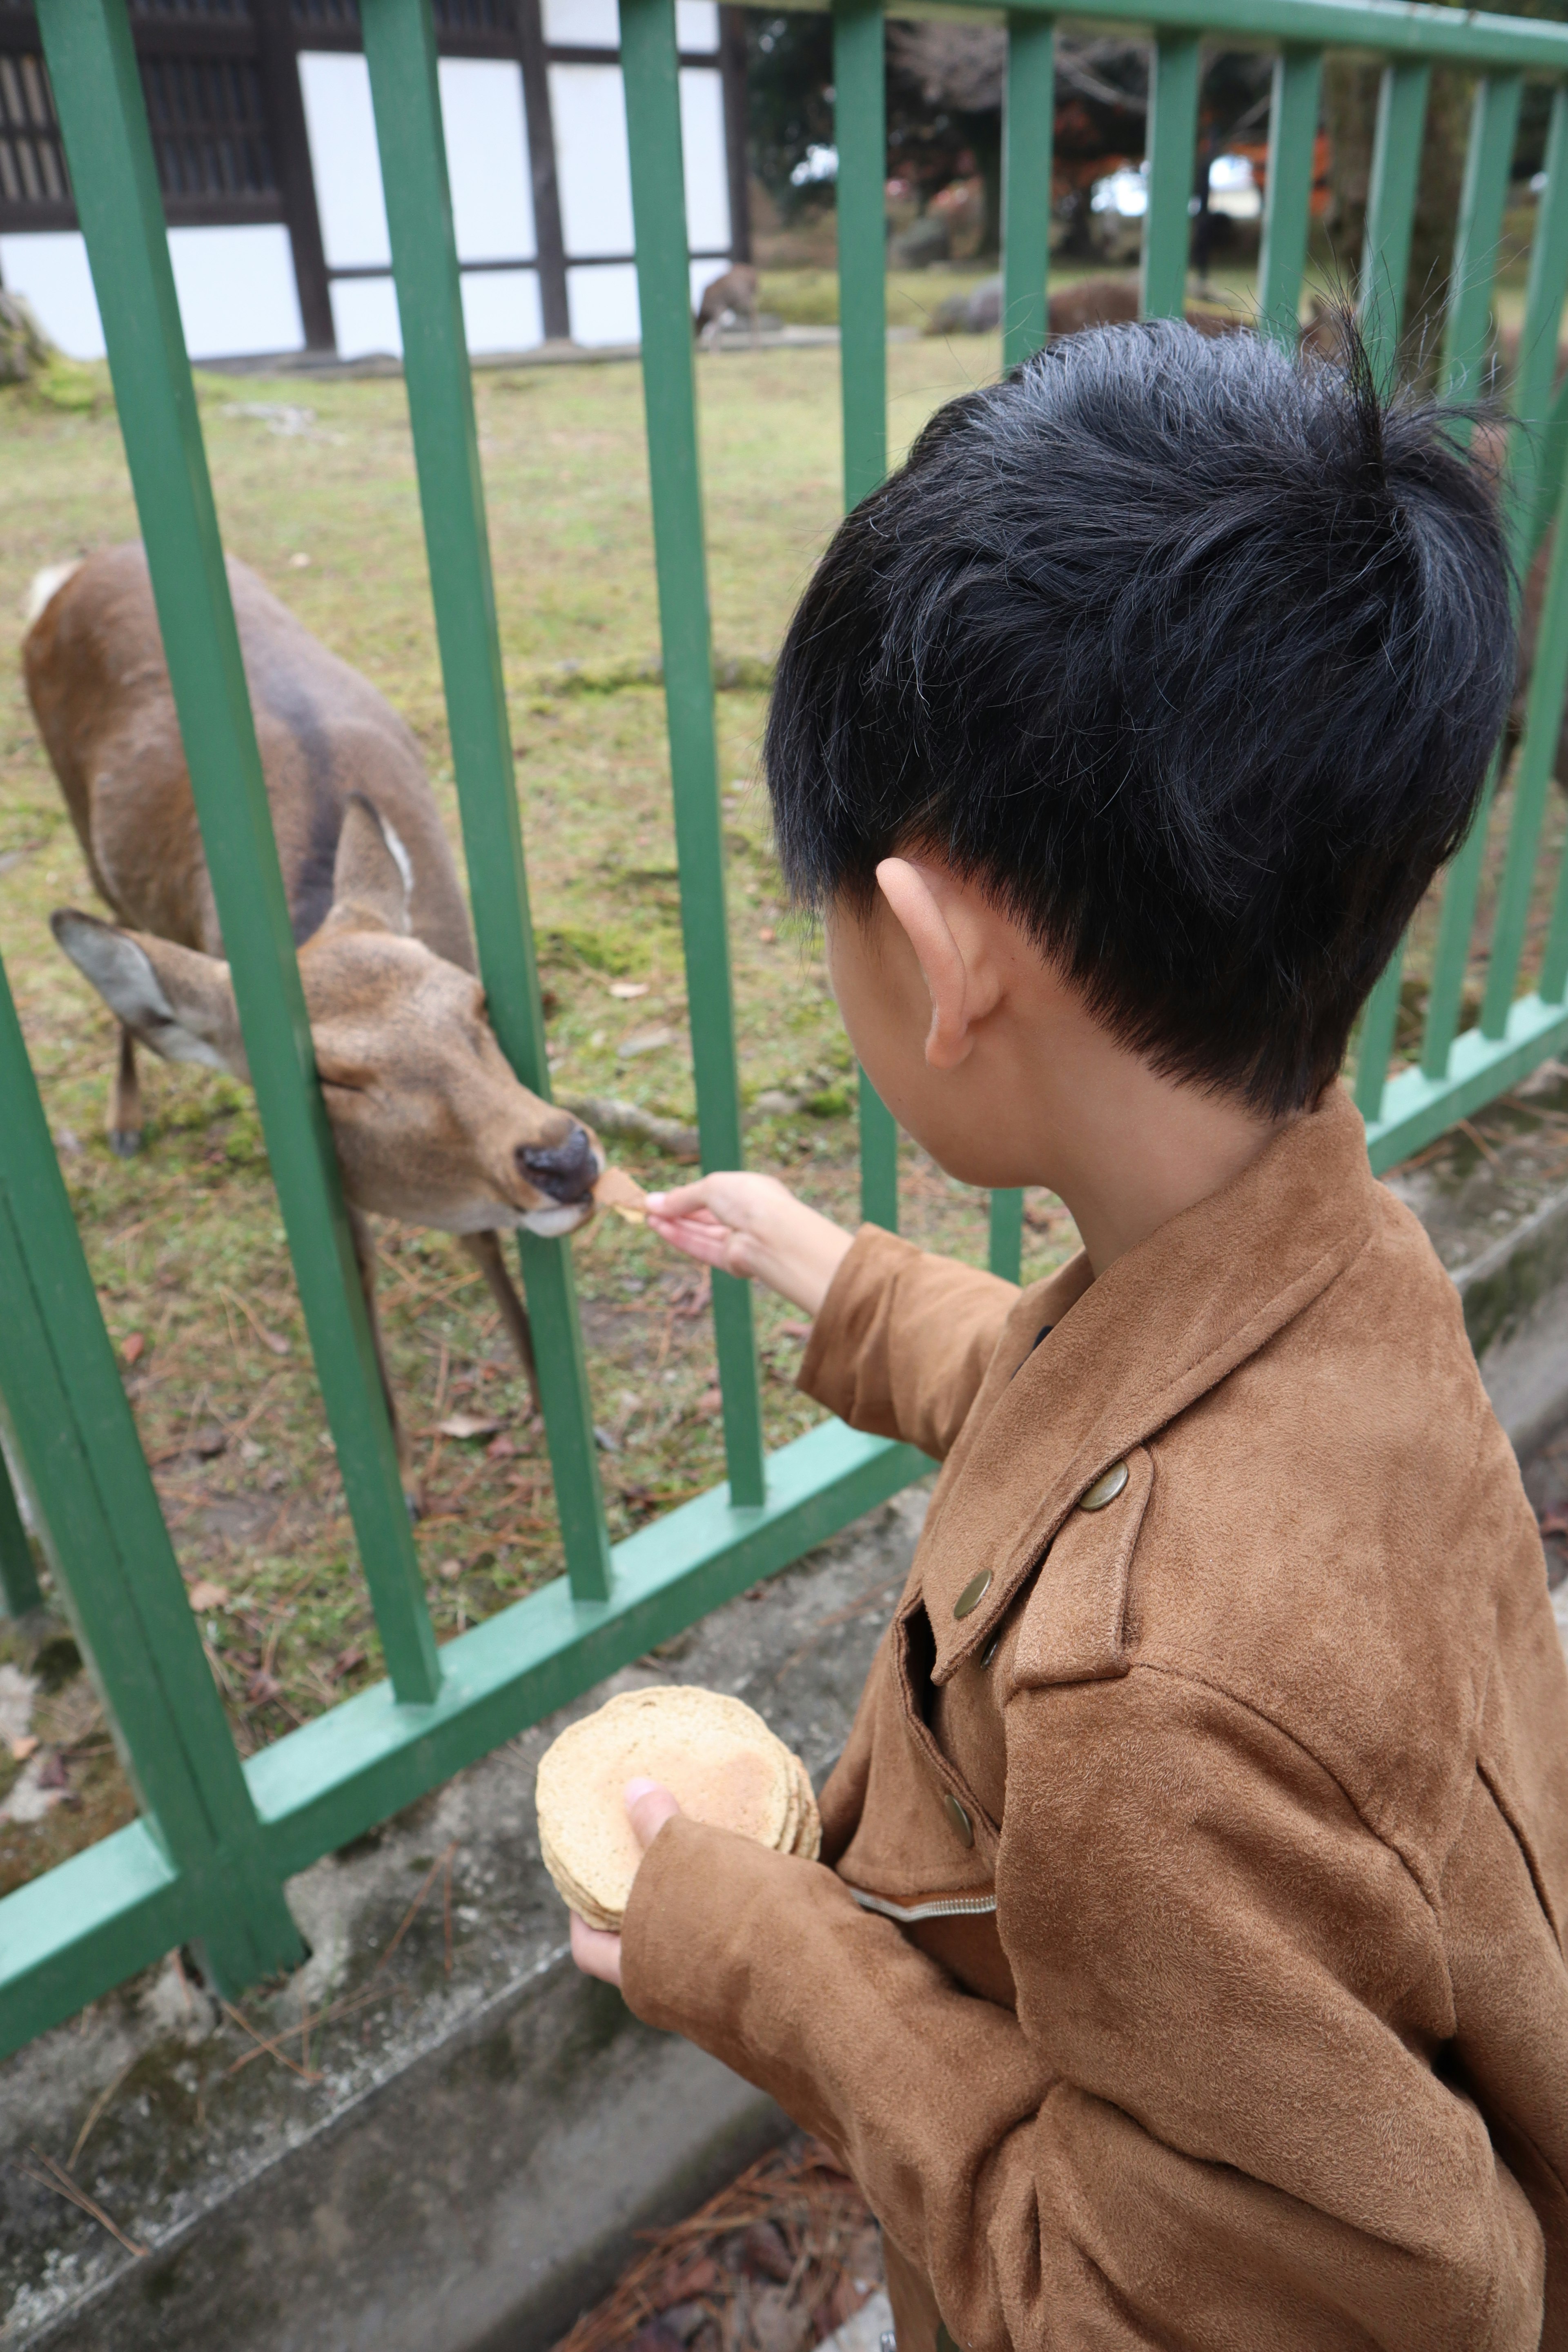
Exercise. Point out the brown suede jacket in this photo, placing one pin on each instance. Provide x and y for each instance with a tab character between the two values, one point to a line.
1186	1967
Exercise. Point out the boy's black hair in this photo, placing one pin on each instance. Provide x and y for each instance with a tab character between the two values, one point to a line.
1192	654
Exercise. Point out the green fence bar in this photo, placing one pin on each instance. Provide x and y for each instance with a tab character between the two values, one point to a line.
401	52
1531	781
98	92
1391	210
860	130
75	1442
1494	121
1006	1251
1173	145
18	1577
1028	124
1532	470
1384	266
1288	192
1531	500
664	295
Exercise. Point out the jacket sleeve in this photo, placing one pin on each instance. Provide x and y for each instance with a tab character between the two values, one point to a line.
901	1341
1214	2119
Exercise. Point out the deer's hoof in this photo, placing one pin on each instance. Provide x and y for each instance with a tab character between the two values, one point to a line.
125	1142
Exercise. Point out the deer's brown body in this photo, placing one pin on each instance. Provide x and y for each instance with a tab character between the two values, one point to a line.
430	1123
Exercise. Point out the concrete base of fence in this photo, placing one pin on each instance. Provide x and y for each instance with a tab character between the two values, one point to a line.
476	2142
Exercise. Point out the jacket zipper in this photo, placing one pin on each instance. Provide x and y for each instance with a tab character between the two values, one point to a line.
940	1906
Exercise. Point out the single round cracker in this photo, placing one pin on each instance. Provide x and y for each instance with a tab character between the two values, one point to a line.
715	1755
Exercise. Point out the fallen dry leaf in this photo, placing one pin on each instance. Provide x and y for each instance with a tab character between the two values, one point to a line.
626	989
450	1569
501	1449
470	1424
26	1746
134	1346
273	1340
646	1041
205	1595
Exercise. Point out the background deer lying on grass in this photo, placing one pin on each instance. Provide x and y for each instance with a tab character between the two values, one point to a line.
430	1123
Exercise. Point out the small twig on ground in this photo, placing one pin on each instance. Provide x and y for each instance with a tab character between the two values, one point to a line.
1468	1127
413	1911
64	2186
94	2112
264	2043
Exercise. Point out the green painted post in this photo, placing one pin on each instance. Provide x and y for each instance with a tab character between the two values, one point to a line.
860	130
1006	1240
1533	402
1391	210
1531	781
1287	192
1533	470
18	1577
1028	127
97	92
648	64
1386	266
1494	120
76	1443
400	49
1173	147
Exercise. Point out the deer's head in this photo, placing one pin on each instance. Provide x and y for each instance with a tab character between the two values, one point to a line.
430	1123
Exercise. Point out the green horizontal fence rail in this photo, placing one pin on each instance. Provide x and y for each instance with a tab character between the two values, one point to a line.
215	1839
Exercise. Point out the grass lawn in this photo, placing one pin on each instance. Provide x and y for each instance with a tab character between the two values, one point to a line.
185	1242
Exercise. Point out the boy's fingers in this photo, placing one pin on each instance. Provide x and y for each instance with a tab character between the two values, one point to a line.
651	1805
596	1953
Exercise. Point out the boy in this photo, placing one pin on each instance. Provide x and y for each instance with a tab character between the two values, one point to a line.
1184	1967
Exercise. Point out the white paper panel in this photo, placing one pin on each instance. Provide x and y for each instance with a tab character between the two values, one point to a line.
588	108
707	172
48	268
487	158
602	304
364	317
341	127
500	310
582	24
695	23
236	291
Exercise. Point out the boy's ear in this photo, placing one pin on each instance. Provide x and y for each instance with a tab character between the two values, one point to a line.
955	1000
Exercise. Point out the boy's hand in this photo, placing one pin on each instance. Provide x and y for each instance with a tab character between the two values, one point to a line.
597	1953
754	1225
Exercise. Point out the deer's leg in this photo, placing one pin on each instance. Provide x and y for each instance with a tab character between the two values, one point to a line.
364	1253
125	1101
486	1252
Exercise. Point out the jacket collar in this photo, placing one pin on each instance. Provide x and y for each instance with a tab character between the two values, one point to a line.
1162	1326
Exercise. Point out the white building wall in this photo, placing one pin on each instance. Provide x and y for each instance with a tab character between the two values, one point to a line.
236	285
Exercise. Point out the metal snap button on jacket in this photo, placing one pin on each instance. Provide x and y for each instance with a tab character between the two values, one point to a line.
989	1651
974	1591
1105	1488
960	1820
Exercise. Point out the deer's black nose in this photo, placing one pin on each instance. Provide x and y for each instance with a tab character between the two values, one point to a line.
566	1171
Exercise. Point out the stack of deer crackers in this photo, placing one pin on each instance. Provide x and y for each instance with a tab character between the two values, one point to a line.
716	1757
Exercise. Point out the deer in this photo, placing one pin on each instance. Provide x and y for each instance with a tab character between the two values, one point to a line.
431	1125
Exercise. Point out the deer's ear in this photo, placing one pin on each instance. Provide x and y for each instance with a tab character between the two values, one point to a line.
372	874
175	1000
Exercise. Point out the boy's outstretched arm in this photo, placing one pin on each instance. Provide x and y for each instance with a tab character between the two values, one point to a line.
903	1337
1227	1984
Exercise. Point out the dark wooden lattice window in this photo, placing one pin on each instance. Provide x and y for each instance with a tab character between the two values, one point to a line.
33	181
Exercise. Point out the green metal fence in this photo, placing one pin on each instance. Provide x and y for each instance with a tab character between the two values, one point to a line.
217	1837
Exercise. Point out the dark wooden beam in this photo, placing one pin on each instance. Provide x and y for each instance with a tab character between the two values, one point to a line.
279	45
548	241
736	142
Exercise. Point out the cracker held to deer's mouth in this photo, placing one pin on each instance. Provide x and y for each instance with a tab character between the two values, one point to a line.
431	1124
